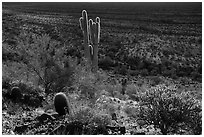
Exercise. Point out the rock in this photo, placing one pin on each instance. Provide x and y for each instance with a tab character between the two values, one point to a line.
57	130
55	115
21	128
52	113
44	117
122	130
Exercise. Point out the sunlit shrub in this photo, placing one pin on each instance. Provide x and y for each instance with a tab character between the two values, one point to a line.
135	92
132	91
131	111
168	110
91	118
90	85
45	58
85	80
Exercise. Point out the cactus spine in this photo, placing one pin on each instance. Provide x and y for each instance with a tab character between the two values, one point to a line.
91	34
61	104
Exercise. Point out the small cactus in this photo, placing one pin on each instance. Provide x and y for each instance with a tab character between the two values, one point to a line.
91	33
124	85
16	93
61	104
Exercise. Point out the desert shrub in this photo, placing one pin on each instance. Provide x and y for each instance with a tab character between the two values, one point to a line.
134	91
92	118
8	53
121	69
16	70
114	90
90	115
169	111
90	85
106	63
24	92
44	58
85	80
155	80
144	72
131	111
6	82
27	87
133	72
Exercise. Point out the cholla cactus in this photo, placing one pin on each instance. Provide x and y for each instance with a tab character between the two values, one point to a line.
91	33
61	104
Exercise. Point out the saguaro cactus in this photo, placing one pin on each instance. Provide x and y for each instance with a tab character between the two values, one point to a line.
91	34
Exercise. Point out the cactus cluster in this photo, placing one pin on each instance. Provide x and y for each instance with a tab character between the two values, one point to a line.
61	104
91	34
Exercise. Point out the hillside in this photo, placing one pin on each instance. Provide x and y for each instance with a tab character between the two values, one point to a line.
149	54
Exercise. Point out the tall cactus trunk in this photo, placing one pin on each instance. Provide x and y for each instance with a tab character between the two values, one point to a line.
96	43
95	58
91	34
84	26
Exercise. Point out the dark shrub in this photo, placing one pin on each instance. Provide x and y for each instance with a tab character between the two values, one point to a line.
6	83
106	63
156	80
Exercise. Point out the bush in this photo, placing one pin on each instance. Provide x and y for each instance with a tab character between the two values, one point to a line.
155	80
85	80
27	87
90	85
131	111
134	91
169	111
93	119
106	63
6	82
45	58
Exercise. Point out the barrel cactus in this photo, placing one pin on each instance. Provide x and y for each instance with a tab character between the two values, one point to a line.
61	104
16	93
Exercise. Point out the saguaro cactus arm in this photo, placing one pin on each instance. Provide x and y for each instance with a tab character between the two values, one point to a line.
98	29
85	29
